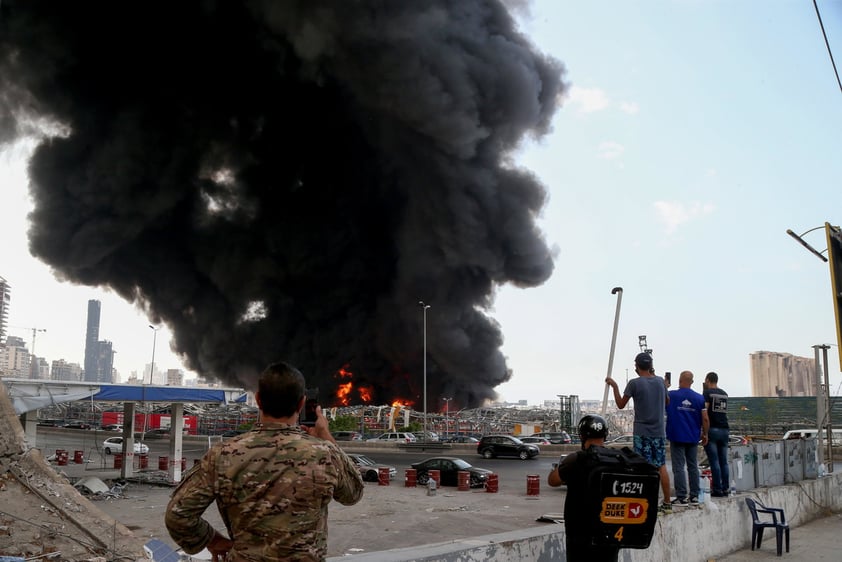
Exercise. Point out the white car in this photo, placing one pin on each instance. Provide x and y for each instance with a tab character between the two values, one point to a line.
115	445
395	437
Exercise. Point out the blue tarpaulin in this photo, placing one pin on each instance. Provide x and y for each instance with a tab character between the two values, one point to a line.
127	393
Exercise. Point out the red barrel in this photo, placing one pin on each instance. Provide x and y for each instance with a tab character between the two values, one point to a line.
183	464
118	460
143	461
163	463
464	480
61	457
533	485
78	457
411	479
436	475
383	476
492	483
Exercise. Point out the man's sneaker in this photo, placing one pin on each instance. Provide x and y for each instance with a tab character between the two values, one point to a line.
665	508
694	500
681	502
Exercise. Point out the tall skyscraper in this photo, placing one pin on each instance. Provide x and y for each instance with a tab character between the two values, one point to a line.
5	297
92	340
99	355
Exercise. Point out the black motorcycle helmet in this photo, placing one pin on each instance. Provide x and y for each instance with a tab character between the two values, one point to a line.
592	426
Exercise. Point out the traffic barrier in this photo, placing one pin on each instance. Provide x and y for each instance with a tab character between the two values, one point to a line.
383	476
143	461
436	475
492	484
533	485
464	480
163	463
118	460
410	478
61	457
78	457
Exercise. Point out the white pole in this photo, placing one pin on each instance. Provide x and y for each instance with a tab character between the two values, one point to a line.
619	292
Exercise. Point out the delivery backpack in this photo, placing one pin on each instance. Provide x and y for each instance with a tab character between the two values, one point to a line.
622	497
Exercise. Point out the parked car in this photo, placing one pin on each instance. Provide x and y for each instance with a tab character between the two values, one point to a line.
159	433
427	437
460	439
395	437
369	469
506	446
113	427
535	440
115	445
449	468
51	423
76	424
555	437
347	435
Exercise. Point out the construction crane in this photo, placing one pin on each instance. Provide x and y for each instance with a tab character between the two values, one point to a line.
34	333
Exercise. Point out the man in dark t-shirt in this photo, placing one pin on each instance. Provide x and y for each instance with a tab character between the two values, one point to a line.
573	470
716	404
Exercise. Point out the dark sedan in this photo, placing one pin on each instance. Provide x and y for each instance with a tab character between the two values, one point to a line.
460	439
449	468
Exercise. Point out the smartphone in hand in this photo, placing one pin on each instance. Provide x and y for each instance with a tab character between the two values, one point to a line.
668	377
308	413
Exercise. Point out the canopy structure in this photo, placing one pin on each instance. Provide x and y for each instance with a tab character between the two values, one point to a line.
28	395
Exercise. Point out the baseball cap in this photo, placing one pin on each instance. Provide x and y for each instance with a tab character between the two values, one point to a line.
643	360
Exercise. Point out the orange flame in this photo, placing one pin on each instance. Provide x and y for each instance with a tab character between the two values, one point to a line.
343	392
365	393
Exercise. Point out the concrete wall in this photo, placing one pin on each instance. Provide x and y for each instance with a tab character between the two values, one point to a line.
691	535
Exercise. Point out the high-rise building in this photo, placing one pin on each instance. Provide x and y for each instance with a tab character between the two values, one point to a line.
64	371
16	358
5	297
99	354
92	341
175	377
782	374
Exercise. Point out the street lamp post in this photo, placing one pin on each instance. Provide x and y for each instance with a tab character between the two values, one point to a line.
424	308
154	341
446	413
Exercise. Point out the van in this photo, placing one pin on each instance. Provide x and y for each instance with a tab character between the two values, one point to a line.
812	433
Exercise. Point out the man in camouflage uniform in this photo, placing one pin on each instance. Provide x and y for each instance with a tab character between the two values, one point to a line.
272	485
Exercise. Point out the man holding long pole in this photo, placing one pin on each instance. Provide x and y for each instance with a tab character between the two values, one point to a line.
650	399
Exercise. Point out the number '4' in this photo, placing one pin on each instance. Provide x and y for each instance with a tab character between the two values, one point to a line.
619	534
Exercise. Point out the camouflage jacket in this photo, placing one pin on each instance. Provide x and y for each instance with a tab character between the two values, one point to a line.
272	486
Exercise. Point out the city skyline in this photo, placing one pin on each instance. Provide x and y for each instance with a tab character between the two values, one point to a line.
691	137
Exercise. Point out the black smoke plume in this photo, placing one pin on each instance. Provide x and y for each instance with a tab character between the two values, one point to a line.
286	180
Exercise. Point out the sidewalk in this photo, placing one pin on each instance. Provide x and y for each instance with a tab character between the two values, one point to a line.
817	540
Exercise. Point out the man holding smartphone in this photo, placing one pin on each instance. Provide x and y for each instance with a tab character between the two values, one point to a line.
272	484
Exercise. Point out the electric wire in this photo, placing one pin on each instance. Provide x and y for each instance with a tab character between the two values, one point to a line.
827	44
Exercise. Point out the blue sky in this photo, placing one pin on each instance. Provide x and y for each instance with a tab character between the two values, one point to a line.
694	134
